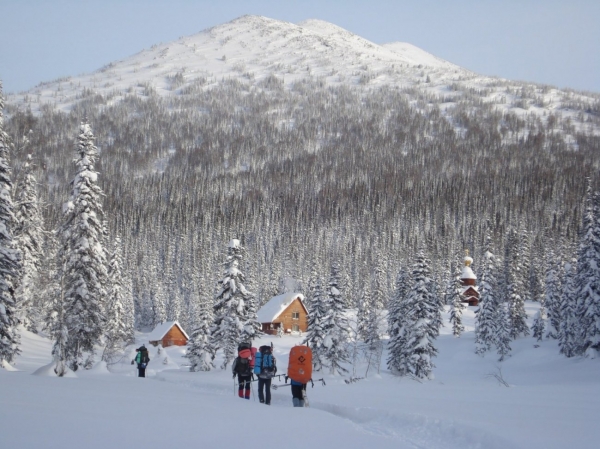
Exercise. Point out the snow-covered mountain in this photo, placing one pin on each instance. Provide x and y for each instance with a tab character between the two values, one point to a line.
253	48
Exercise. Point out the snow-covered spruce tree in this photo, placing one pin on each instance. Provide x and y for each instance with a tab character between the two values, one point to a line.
489	302
553	292
397	324
315	335
335	326
373	336
457	305
84	266
380	292
515	286
503	328
200	352
9	258
60	336
233	320
588	279
539	323
362	313
29	236
569	332
422	306
117	333
159	306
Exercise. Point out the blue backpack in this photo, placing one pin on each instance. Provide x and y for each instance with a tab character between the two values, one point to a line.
265	364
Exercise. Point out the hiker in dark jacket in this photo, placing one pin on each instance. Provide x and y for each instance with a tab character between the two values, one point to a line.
244	375
142	359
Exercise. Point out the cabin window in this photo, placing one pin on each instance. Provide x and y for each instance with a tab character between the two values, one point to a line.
295	328
271	326
295	315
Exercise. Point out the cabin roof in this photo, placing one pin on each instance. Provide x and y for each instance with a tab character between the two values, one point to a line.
276	305
161	330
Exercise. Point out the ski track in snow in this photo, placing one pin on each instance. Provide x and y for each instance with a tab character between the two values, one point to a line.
410	430
416	431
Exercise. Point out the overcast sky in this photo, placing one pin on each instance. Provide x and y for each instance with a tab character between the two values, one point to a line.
553	42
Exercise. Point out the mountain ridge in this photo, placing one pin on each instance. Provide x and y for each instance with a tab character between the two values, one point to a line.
253	48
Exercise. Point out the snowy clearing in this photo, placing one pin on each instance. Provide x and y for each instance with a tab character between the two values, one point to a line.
551	402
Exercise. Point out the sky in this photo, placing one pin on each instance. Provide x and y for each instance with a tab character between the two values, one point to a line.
548	401
546	41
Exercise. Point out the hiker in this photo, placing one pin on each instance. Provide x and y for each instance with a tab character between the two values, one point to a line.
242	367
142	359
298	393
265	368
300	373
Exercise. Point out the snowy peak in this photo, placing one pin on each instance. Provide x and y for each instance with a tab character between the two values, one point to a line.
249	48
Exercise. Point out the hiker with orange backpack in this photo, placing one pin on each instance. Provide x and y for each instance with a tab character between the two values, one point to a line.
242	367
300	373
265	368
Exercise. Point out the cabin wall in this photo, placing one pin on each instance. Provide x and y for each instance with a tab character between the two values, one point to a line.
174	338
293	322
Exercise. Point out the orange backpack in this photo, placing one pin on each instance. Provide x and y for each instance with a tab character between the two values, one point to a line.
300	364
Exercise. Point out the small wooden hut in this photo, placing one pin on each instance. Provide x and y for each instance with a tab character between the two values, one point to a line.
167	334
286	312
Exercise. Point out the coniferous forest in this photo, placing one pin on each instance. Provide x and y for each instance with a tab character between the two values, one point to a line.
309	176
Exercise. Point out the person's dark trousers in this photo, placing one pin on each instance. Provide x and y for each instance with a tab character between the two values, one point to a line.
141	371
266	384
297	397
244	386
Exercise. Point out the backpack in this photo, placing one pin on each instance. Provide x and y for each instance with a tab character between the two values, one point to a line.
300	364
242	362
265	363
144	358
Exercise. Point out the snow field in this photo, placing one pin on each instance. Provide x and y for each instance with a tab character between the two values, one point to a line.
551	402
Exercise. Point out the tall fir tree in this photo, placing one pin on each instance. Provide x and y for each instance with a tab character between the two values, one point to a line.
503	329
489	302
315	335
362	313
29	236
117	332
234	316
200	352
397	324
83	256
515	285
588	278
335	325
457	305
9	257
569	333
422	306
553	291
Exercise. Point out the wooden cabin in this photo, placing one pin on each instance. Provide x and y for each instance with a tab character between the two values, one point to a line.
286	312
168	334
470	292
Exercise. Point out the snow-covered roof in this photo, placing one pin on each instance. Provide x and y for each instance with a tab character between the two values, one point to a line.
273	308
474	287
161	330
467	273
